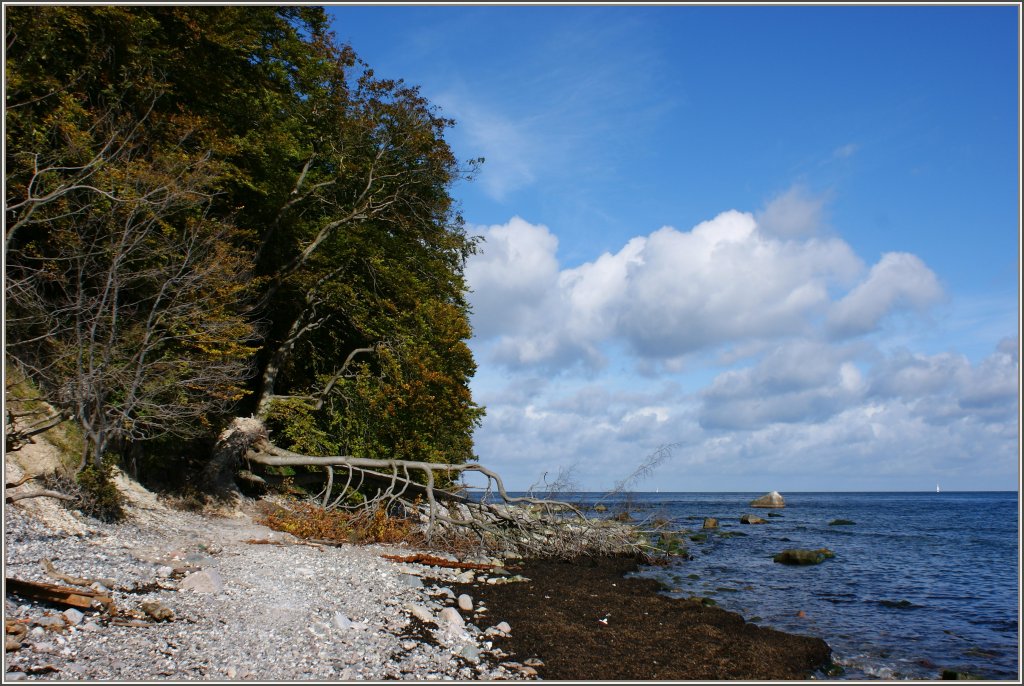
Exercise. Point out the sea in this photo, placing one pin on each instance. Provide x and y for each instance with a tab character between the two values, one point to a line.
920	583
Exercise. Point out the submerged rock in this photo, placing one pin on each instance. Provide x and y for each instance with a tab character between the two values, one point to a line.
773	499
841	522
797	556
898	604
752	519
953	675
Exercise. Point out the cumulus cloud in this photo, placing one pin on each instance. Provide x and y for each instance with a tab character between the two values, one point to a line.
764	331
809	382
513	278
800	381
663	295
898	281
794	213
806	408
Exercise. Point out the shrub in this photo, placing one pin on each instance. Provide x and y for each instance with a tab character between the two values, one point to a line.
96	493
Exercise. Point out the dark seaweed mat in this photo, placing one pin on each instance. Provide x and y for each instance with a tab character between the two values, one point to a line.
648	636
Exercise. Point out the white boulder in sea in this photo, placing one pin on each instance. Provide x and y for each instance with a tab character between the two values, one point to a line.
773	499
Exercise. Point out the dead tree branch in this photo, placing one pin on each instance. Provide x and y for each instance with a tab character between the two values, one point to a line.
42	493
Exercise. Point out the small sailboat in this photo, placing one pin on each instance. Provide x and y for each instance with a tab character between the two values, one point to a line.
937	489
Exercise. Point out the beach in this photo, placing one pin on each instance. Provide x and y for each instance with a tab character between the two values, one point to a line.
242	602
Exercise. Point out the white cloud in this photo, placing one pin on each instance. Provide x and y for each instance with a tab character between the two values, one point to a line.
664	295
508	146
806	411
844	151
755	364
794	213
898	281
800	381
512	278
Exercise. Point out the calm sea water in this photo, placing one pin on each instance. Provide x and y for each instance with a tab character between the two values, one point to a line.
921	582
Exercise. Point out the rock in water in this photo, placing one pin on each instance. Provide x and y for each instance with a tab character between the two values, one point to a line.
710	523
773	499
796	556
752	519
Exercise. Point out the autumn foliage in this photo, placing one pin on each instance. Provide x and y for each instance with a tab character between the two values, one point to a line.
209	211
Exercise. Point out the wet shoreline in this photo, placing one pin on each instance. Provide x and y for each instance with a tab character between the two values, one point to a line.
584	620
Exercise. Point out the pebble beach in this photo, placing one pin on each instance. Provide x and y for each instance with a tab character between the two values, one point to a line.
201	597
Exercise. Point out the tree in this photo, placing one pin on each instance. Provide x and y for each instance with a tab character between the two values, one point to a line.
210	147
125	306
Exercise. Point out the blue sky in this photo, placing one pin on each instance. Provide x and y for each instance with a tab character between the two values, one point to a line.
782	240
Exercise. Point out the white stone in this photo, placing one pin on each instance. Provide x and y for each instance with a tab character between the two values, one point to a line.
341	621
73	616
412	581
419	612
465	603
206	581
451	617
503	627
471	653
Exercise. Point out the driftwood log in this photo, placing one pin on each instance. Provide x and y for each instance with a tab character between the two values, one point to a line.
60	595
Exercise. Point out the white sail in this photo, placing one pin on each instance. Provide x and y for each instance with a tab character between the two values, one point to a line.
937	489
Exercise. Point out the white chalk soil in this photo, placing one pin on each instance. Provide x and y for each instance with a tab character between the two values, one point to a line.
196	599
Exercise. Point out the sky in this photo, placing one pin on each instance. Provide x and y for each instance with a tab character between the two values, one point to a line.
733	248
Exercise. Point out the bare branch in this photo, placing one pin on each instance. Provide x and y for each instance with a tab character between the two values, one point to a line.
15	497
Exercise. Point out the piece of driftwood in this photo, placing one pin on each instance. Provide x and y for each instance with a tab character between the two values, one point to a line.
312	543
60	595
262	541
23	480
54	573
425	559
40	493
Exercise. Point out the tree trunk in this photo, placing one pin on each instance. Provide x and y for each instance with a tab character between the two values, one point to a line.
233	443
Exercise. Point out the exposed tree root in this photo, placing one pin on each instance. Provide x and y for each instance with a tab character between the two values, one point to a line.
495	520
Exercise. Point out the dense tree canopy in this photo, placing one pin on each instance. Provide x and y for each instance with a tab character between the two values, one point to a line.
217	211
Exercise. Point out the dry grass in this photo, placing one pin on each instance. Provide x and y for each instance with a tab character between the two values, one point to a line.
309	521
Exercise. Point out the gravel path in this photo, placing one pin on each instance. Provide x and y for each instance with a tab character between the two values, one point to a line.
283	611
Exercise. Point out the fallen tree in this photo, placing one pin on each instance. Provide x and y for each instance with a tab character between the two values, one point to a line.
496	520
